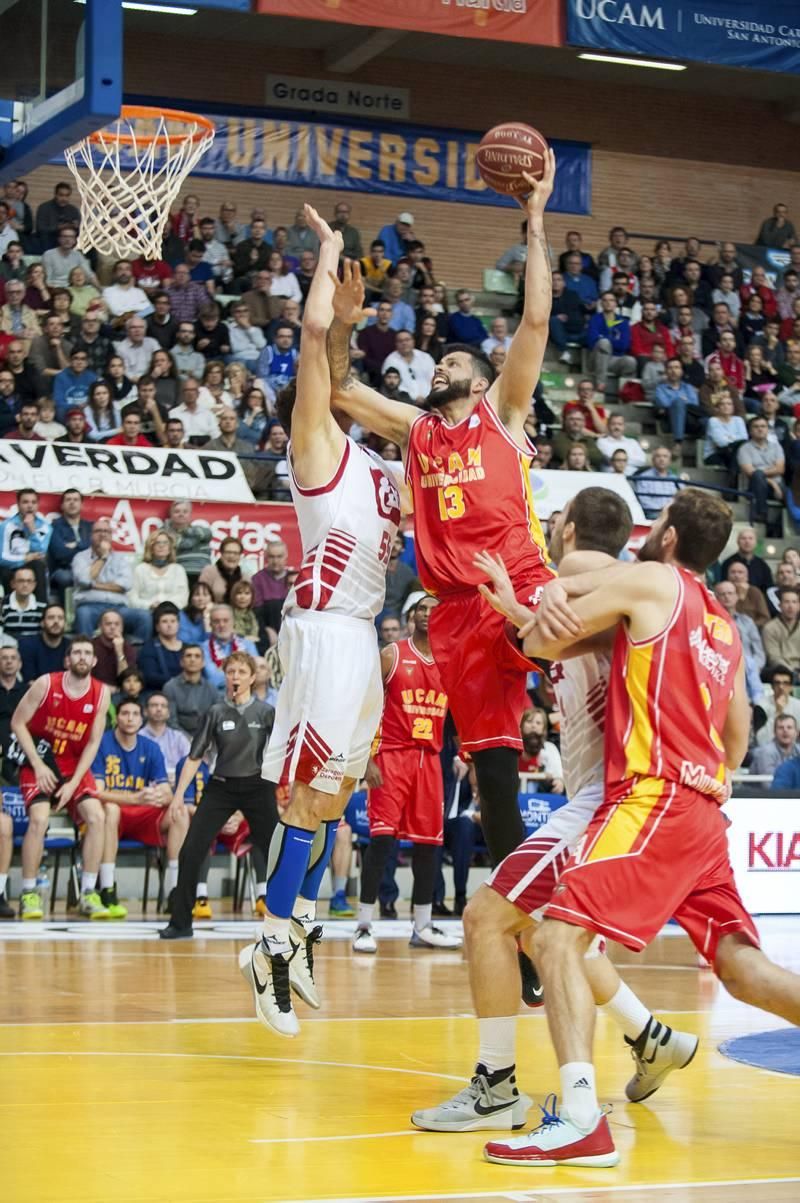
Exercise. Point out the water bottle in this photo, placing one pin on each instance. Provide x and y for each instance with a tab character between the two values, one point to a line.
43	881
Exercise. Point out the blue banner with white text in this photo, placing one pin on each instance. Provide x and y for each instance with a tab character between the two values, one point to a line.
763	35
405	161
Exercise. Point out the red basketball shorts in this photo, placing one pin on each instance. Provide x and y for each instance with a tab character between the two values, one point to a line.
482	670
31	792
142	823
660	852
529	874
410	803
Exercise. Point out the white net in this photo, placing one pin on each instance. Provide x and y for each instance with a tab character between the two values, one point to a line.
129	176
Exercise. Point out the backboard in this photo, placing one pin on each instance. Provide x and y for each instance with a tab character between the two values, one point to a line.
61	76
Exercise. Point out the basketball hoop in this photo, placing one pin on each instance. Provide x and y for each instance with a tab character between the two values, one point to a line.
129	175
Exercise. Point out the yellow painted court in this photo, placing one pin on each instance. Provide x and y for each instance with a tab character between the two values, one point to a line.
134	1072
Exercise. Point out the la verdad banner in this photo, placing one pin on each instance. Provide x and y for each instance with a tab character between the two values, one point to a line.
763	35
147	472
394	159
537	22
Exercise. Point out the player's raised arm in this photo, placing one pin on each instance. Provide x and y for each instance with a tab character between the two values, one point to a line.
511	393
317	441
390	419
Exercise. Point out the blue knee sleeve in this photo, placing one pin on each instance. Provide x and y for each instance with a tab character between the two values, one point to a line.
321	854
289	853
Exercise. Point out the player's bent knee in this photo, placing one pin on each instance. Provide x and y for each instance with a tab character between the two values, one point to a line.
554	938
92	812
741	967
488	909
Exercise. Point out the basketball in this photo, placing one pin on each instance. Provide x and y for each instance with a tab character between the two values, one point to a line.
505	152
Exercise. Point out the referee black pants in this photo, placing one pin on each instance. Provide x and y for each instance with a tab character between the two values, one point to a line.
254	797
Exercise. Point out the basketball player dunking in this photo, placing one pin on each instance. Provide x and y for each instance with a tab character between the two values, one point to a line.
678	721
329	705
467	461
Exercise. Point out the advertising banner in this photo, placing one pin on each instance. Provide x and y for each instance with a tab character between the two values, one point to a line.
762	35
537	22
764	843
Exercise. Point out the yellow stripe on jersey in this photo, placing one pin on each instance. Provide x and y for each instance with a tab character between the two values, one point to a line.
639	744
625	825
534	525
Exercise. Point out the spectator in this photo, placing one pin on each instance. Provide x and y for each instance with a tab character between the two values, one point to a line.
778	430
566	318
650	332
781	635
608	337
10	403
576	460
53	214
253	416
762	465
244	620
760	286
221	643
200	270
427	339
463	326
49	353
619	463
161	324
71	385
24	540
227	229
574	245
44	652
726	264
261	304
654	373
21	613
173	743
375	270
102	580
699	289
199	425
594	414
574	431
377	342
776	231
679	401
98	348
212	337
136	350
186	296
498	336
229	440
625	269
781	748
26	378
152	276
159	579
250	255
580	282
759	572
195	618
77	427
715	388
402	313
351	237
752	647
12	264
725	433
84	295
656	486
158	658
396	236
246	340
693	371
123	298
112	651
189	694
277	364
777	702
539	756
617	239
389	631
59	261
616	441
752	322
188	362
183	224
401	581
390	386
70	534
131	433
17	318
289	315
271	582
785	576
727	294
415	367
192	540
788	374
514	259
300	236
785	296
751	601
227	570
12	691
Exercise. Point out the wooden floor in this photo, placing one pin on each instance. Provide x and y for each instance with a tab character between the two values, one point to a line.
133	1072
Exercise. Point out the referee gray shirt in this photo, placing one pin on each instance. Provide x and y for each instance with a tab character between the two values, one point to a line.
236	736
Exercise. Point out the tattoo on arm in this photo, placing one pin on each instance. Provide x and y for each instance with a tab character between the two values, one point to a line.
338	347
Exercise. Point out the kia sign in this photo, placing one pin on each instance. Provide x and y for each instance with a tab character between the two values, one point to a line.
764	842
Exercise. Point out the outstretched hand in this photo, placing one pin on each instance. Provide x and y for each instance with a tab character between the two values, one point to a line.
348	295
534	202
321	228
501	596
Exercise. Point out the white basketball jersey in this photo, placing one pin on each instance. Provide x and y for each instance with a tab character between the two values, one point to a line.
346	528
581	687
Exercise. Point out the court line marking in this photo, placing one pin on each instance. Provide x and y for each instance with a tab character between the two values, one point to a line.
300	1140
529	1196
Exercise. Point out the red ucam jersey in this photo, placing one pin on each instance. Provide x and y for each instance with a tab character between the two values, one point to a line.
668	700
66	721
472	492
414	703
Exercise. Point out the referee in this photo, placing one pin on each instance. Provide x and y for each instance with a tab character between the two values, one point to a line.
235	731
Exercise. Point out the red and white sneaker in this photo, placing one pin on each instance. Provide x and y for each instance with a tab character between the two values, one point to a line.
556	1142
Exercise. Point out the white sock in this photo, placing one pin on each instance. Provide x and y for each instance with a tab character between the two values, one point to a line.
339	885
28	885
3	882
261	889
422	916
172	875
366	913
304	910
106	876
497	1041
275	934
579	1094
88	882
202	890
628	1012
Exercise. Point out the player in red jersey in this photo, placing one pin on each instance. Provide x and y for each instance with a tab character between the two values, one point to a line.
677	722
406	798
467	461
58	725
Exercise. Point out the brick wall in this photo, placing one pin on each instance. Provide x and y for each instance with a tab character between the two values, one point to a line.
663	162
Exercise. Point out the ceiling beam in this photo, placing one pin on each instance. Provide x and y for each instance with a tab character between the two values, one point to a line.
348	55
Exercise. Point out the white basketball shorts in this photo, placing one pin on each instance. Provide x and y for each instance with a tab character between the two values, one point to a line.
330	702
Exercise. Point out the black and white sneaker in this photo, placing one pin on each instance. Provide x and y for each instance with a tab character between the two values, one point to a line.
301	966
490	1101
268	978
658	1051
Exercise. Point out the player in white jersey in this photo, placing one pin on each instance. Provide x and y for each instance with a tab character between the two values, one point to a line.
589	534
329	705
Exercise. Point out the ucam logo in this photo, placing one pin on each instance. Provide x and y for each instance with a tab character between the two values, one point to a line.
641	16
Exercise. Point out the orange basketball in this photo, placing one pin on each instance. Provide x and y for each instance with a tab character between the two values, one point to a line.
505	152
